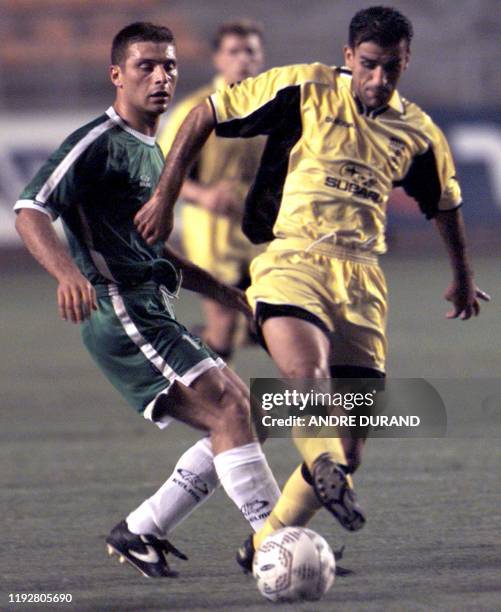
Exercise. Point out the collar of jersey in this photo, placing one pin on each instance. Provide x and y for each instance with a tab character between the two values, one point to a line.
395	102
114	116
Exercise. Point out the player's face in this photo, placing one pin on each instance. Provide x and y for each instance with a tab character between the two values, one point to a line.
147	80
376	70
239	57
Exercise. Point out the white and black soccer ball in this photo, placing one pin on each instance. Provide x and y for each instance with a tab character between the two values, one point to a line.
294	564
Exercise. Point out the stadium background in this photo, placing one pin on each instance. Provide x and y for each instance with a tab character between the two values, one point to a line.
73	457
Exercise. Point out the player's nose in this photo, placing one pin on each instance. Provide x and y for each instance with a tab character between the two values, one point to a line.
160	74
379	77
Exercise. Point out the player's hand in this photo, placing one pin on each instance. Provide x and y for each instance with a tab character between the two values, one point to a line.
220	198
465	296
76	297
153	221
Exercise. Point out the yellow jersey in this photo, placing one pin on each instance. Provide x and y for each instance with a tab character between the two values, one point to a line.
330	164
214	241
220	159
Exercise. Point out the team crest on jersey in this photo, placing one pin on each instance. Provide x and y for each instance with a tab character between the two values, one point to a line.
145	181
397	148
359	174
356	179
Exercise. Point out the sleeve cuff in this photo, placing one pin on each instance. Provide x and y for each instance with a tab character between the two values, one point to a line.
212	100
33	204
445	210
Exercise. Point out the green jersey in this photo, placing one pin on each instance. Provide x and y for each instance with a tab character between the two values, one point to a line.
96	181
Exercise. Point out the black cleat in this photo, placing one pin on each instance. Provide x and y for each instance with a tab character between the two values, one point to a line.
333	491
146	553
245	555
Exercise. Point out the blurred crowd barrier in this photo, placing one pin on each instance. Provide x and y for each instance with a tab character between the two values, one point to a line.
54	53
475	141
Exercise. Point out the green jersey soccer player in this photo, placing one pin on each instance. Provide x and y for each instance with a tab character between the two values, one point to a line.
120	288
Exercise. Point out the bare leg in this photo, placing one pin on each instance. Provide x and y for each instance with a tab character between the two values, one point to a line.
299	348
220	326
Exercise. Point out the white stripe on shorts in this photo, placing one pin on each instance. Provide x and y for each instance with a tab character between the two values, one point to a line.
140	341
187	379
151	354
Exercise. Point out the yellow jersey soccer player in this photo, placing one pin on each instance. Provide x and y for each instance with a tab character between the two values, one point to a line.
215	190
339	139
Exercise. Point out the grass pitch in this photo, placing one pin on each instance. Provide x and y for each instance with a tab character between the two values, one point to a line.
74	459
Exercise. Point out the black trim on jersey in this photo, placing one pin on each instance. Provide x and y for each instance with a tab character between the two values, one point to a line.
363	110
378	111
213	108
422	182
265	311
360	106
281	119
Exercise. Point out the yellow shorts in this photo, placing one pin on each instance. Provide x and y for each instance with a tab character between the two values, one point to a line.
216	244
341	290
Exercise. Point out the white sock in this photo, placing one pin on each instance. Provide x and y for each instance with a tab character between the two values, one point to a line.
248	481
192	482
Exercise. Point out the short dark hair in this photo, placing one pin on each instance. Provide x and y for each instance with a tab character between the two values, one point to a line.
140	31
242	27
382	25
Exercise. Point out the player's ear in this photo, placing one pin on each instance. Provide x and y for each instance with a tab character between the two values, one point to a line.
116	75
348	56
407	59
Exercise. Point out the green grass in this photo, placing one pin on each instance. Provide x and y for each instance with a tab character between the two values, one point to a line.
74	459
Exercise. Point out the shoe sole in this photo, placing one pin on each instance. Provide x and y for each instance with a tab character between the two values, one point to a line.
123	559
333	491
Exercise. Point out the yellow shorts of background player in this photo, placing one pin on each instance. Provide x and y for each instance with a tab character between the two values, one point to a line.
216	244
341	290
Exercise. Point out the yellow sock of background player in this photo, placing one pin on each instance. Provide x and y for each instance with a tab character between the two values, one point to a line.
296	506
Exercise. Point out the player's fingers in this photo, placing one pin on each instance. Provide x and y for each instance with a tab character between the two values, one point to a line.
466	313
92	297
476	308
483	295
152	238
88	301
453	313
146	230
61	303
76	309
68	306
141	215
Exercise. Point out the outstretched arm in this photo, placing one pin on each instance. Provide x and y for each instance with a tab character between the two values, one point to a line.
76	297
154	220
198	280
462	292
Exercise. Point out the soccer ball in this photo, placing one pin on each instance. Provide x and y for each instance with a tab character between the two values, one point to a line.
294	564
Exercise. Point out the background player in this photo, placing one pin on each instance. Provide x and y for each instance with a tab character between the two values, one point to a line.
121	289
214	192
339	139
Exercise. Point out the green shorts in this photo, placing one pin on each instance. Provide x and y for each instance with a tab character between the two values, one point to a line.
136	341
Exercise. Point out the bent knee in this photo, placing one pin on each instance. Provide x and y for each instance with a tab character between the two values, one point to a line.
234	409
298	368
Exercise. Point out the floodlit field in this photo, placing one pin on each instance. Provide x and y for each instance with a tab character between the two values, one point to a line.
74	459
